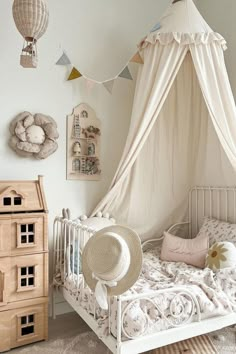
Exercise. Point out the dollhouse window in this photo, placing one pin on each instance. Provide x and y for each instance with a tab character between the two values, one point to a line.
17	201
26	278
7	201
27	234
12	200
27	325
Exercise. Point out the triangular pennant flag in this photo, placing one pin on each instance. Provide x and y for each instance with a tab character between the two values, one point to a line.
137	59
63	60
126	74
89	84
156	27
75	74
109	85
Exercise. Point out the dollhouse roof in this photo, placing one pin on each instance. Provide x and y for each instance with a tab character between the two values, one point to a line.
31	192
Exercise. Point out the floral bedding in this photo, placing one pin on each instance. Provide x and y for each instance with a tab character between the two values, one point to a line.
215	292
218	231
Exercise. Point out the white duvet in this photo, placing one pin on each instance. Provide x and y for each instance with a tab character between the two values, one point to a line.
215	292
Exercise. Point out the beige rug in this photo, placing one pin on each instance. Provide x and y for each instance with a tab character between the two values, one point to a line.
225	340
85	343
89	343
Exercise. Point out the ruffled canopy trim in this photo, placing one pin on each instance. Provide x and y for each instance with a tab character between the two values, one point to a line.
183	38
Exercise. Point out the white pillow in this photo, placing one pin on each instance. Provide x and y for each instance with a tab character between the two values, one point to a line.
221	255
218	231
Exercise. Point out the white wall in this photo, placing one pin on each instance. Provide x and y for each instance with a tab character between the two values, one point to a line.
99	37
221	17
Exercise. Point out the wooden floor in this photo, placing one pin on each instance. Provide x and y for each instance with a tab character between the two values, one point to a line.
69	323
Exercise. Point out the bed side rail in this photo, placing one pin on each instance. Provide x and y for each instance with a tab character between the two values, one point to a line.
69	239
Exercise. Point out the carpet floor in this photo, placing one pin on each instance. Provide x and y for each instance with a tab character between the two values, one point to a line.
69	334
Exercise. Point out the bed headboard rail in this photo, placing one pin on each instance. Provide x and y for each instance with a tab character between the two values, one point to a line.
215	202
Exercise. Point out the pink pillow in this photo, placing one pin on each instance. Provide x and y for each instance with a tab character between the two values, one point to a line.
190	251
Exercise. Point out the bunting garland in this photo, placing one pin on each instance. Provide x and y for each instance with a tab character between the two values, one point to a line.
137	59
109	85
74	74
64	60
156	27
126	74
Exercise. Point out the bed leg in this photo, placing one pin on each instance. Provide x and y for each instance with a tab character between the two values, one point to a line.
118	345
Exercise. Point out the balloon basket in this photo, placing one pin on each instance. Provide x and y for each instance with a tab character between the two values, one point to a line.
28	61
29	56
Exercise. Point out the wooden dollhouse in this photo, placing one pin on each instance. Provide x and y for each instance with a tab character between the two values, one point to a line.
23	263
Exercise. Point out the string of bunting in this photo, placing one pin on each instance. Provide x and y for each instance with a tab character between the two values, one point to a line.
64	60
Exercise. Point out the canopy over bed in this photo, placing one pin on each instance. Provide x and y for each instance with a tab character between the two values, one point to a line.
183	124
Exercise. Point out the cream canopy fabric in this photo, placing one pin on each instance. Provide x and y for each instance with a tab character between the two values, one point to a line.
182	92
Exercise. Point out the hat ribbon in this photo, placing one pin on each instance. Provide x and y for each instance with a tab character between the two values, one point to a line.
101	291
101	286
109	283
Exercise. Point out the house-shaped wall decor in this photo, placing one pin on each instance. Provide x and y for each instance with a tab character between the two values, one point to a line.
23	263
83	144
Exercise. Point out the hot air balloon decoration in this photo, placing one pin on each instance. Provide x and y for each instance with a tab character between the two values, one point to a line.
31	19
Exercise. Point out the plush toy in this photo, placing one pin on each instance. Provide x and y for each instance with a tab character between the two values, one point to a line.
33	135
221	255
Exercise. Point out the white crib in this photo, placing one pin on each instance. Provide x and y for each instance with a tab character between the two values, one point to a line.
218	202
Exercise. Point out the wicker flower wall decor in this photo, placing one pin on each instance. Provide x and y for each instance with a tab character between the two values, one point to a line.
31	19
33	136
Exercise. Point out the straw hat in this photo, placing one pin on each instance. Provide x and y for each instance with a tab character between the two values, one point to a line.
112	261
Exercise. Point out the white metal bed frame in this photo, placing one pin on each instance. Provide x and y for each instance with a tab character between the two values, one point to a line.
218	202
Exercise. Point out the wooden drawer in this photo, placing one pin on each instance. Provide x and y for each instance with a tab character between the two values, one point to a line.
23	277
23	323
21	234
